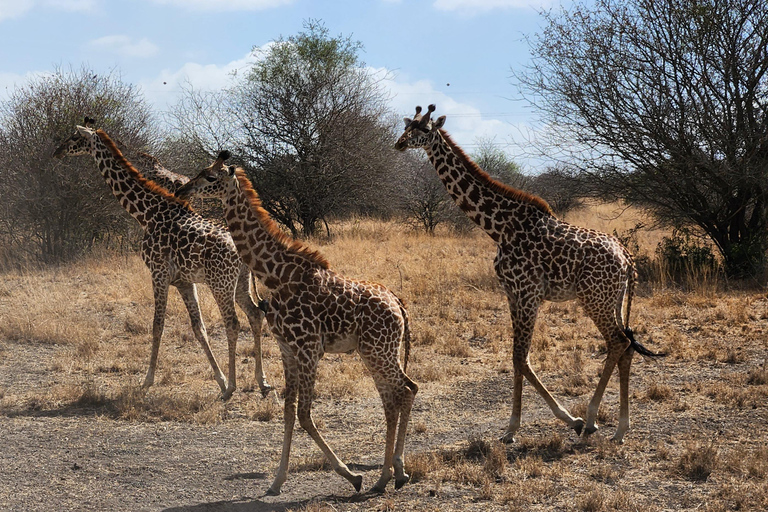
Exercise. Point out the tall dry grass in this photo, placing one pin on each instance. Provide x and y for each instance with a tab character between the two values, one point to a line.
696	433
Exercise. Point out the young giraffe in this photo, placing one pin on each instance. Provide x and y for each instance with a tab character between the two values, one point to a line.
180	248
540	257
314	311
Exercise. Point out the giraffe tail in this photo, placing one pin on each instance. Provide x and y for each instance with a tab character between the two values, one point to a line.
639	348
407	348
636	345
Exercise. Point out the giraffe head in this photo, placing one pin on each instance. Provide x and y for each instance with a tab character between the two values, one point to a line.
214	181
80	143
419	131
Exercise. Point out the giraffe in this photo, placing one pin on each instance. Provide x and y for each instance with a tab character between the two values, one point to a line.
538	258
313	311
180	248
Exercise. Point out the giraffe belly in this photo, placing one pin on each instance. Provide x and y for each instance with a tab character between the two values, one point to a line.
340	343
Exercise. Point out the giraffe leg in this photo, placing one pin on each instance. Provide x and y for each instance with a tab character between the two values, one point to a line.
255	319
401	477
524	314
391	415
225	300
615	349
625	362
160	291
291	371
188	293
308	369
517	400
397	393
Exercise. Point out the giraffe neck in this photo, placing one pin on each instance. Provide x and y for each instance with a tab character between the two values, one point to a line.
141	198
490	204
275	259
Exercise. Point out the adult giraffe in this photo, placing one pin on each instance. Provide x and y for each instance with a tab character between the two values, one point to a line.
538	258
180	248
313	311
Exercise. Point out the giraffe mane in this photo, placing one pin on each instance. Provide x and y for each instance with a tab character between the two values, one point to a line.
144	182
294	246
494	185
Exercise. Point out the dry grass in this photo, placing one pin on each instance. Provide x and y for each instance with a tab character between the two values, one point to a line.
77	338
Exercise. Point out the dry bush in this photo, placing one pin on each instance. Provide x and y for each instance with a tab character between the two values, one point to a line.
658	392
698	461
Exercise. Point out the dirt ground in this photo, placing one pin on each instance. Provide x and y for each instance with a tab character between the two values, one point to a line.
75	433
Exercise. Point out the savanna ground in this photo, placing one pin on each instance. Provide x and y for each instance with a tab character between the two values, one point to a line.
76	433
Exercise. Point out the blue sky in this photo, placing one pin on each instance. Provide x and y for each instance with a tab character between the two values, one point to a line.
473	45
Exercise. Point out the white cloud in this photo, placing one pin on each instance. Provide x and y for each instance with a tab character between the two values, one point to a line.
479	6
14	8
10	9
164	90
125	46
466	123
229	5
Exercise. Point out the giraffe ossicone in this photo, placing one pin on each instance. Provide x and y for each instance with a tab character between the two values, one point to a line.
180	248
314	310
540	257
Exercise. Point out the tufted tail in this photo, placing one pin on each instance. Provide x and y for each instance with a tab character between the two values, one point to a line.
630	292
639	348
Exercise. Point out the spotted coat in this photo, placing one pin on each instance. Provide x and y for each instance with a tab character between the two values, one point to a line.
313	311
180	248
540	257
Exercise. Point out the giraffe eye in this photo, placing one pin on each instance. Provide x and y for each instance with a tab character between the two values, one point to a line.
211	178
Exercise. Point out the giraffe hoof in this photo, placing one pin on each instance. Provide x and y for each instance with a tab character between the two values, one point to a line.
357	481
508	438
589	430
226	395
578	425
272	492
399	482
265	389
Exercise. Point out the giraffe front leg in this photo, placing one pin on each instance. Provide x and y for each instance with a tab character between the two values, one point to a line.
524	311
225	299
307	361
160	291
289	418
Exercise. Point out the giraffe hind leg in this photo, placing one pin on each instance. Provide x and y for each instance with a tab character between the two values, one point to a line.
188	293
401	477
255	319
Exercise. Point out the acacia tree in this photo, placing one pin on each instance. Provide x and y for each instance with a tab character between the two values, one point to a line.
309	123
665	102
51	209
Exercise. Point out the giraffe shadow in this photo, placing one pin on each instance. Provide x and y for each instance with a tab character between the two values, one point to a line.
260	505
108	409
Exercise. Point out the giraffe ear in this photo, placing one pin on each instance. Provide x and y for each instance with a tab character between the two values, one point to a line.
407	121
231	170
438	123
